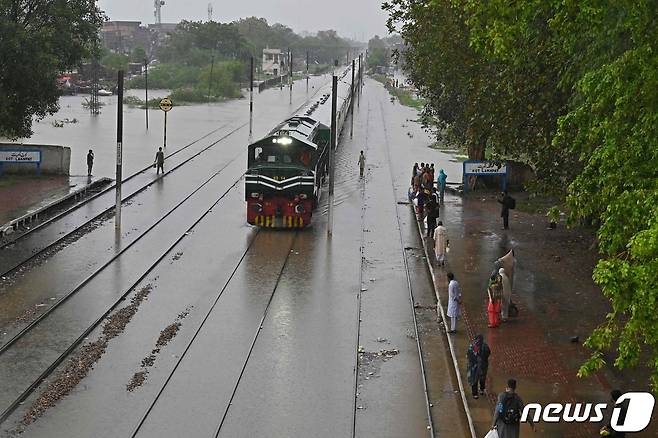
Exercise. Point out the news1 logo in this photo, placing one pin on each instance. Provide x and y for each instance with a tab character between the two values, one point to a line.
630	413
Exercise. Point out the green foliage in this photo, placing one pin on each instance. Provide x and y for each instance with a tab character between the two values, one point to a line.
115	62
168	76
138	55
38	40
572	89
378	53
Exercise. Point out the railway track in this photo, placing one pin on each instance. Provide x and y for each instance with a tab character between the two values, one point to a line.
5	348
358	296
14	263
9	409
408	280
198	330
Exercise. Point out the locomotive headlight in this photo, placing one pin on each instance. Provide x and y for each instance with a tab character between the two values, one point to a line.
285	141
303	196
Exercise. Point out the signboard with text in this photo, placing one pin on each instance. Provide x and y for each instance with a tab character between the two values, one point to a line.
16	156
484	168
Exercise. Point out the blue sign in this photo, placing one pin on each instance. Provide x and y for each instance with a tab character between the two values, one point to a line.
20	156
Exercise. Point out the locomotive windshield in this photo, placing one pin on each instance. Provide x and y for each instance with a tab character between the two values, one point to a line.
299	155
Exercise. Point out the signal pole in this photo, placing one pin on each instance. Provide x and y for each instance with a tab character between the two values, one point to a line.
307	72
352	102
290	75
146	84
332	154
358	100
117	210
251	98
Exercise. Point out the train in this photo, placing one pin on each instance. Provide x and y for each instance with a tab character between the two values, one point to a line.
286	169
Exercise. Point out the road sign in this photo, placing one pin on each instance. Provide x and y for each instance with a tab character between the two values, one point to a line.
166	105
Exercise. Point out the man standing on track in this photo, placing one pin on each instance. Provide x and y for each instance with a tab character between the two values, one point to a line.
159	161
362	164
90	161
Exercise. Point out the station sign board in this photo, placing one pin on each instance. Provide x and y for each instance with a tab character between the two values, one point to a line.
473	167
18	156
482	168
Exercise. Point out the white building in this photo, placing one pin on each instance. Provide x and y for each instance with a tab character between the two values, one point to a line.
274	62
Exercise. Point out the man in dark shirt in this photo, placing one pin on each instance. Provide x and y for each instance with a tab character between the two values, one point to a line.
159	161
90	161
506	201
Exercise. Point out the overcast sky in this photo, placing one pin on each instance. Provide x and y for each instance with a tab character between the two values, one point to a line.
350	18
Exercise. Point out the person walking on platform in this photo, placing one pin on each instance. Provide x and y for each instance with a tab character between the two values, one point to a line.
507	293
441	182
432	214
454	302
495	294
441	243
507	415
478	364
90	161
362	164
508	203
159	161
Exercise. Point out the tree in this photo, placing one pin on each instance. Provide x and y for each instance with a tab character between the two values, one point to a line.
378	52
39	40
572	89
138	55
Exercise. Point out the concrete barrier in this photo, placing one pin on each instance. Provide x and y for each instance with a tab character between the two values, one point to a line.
55	160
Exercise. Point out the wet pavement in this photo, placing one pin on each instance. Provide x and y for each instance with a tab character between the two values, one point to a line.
24	194
287	313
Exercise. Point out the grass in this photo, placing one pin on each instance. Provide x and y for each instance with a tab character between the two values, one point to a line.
8	181
406	97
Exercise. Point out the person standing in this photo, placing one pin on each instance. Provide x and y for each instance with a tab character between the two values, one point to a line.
495	294
607	430
454	302
478	365
90	161
432	214
414	172
507	293
507	415
441	182
159	161
508	204
362	164
441	243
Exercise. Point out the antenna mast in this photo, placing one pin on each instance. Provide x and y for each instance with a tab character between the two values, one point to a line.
158	4
209	11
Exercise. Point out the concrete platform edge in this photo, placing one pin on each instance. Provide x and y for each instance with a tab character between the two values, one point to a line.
12	225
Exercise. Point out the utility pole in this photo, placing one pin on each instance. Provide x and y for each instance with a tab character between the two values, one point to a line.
307	72
212	65
332	154
358	100
146	83
290	75
251	98
117	210
352	101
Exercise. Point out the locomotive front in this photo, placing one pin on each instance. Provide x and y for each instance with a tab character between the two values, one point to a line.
280	183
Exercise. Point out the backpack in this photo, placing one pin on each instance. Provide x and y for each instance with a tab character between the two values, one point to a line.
511	203
511	409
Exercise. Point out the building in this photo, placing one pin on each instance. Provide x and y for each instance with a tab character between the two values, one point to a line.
274	62
125	36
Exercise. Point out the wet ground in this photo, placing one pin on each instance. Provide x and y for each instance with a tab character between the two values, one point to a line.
218	328
23	194
283	334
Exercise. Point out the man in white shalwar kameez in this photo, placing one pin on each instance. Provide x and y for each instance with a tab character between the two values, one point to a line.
440	243
454	302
